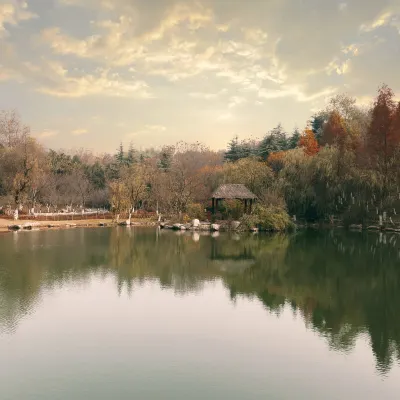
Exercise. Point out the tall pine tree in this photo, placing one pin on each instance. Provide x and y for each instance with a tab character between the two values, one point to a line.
120	156
293	141
131	156
234	152
274	141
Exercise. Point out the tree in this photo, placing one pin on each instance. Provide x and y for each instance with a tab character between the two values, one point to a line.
382	136
334	131
317	123
135	181
274	141
234	151
293	141
276	160
255	174
166	156
120	156
309	143
119	198
12	130
131	156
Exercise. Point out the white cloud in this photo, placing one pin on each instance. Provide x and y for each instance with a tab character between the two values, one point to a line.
207	96
147	130
258	36
381	20
11	13
78	132
225	116
52	78
47	133
236	101
296	92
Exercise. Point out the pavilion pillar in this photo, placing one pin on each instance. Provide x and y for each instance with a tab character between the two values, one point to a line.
251	205
245	206
213	205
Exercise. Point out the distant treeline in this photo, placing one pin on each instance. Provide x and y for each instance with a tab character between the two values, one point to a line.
345	164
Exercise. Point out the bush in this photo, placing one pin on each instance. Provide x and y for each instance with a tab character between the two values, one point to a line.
196	210
231	209
268	218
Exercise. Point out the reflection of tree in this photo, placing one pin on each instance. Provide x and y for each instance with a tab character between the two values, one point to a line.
343	285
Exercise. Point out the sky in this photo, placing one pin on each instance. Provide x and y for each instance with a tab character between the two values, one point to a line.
94	73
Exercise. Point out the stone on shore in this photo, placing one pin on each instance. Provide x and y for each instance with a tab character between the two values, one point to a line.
14	227
235	225
215	227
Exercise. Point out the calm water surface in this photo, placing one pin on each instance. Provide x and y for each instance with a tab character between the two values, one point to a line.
145	314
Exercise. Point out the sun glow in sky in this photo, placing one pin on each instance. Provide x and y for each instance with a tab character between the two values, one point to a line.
92	73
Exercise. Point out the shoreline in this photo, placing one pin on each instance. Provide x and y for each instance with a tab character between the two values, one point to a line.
32	225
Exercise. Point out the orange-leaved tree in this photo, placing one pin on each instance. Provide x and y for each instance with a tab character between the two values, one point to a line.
276	160
383	135
309	143
334	131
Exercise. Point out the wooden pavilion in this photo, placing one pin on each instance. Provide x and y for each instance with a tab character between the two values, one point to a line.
233	192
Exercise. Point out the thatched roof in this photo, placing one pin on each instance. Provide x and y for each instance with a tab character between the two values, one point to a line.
233	191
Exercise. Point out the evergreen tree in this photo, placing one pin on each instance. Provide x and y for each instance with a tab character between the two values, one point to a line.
317	124
165	160
120	156
234	152
131	156
274	141
293	140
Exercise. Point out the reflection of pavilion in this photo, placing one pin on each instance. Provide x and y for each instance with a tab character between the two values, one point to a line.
235	257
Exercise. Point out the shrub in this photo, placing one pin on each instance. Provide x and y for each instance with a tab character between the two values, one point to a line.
268	218
196	210
231	209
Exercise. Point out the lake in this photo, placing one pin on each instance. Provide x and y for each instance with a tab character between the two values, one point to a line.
136	313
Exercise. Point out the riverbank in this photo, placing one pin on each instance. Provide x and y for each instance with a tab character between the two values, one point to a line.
43	225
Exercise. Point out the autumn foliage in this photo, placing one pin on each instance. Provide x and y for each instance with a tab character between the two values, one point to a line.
275	160
334	131
383	135
309	143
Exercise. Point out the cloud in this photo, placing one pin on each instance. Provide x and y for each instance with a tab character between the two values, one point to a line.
296	92
147	130
12	13
183	41
225	116
207	96
236	101
47	133
381	20
191	53
52	78
257	36
78	132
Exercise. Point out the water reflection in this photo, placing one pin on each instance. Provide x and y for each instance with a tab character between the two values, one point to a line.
343	285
